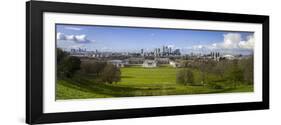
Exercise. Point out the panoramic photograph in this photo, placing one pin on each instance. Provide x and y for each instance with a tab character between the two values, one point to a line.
95	61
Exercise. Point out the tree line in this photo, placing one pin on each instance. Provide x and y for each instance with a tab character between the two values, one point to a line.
68	66
227	71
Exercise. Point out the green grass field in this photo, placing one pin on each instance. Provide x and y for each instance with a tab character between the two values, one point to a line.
138	81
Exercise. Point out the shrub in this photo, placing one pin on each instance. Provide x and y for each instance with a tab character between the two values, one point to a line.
185	77
68	66
235	73
110	74
215	86
61	55
248	68
93	67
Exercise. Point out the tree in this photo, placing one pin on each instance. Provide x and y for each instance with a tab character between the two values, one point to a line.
205	67
247	65
61	55
69	65
235	73
110	74
93	67
185	77
220	68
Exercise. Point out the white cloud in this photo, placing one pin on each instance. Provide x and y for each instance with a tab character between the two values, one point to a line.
249	44
70	37
73	28
234	41
197	47
214	45
60	36
171	46
75	38
230	41
82	37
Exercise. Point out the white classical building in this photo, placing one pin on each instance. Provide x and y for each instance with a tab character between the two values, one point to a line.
162	60
229	57
174	64
149	63
118	63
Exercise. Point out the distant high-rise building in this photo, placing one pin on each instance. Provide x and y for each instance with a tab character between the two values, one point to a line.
155	52
177	52
170	50
142	52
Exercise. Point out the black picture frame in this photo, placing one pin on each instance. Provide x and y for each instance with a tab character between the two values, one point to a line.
34	62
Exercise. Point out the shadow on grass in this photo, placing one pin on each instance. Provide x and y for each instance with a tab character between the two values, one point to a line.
87	85
225	90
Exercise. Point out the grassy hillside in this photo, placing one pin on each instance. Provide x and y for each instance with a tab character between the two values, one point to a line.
138	81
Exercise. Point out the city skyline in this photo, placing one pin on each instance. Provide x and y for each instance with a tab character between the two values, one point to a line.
133	39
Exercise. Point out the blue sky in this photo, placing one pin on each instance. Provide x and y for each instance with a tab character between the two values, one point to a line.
132	39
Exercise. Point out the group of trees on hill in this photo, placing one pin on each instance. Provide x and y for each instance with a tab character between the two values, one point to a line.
68	65
227	71
185	77
104	72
